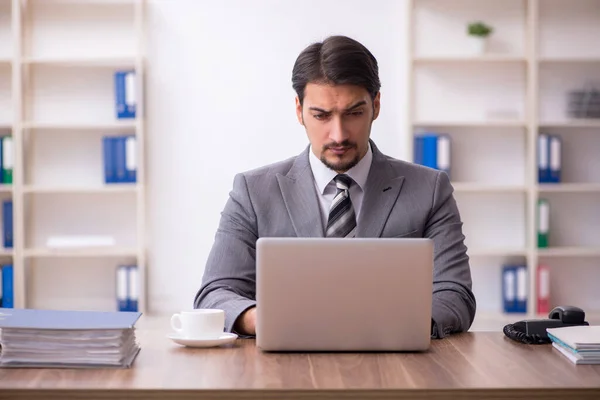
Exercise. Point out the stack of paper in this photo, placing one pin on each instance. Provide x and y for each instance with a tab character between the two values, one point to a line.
580	344
67	339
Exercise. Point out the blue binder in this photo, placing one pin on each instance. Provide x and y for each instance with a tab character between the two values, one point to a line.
509	296
433	150
7	226
130	159
522	289
132	292
125	94
555	158
122	286
120	159
8	297
108	159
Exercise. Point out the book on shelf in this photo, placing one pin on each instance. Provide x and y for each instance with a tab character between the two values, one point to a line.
579	344
549	158
67	339
125	96
127	287
433	150
119	158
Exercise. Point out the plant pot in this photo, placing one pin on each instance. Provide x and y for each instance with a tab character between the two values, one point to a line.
477	45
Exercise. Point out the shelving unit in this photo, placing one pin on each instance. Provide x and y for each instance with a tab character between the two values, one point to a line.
493	106
57	65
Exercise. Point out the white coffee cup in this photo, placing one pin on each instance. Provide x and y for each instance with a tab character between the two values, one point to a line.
199	324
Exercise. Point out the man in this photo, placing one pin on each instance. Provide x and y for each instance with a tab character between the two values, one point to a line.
340	186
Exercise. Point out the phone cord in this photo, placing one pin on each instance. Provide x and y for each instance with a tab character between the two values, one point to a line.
510	331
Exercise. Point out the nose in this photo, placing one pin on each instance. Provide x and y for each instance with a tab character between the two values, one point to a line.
337	132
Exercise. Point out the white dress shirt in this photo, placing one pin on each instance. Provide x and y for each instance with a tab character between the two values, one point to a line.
326	188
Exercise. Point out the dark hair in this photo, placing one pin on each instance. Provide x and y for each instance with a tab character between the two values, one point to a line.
337	60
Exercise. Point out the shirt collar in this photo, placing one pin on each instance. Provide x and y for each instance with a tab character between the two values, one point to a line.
323	175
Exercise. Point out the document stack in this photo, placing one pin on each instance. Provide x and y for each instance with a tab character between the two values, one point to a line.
67	339
580	344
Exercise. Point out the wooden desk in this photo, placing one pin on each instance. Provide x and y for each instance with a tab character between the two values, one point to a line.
471	365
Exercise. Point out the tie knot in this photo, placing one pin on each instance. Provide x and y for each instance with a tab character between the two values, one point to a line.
342	181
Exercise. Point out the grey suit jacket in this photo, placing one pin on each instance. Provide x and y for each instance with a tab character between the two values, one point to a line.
400	200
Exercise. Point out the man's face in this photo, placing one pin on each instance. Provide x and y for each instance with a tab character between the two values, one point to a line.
338	122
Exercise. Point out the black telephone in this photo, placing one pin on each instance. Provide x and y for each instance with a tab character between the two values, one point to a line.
533	331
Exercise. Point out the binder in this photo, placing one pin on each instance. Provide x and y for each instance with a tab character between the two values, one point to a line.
433	150
509	297
543	220
120	159
122	288
7	286
1	291
125	94
543	159
7	226
7	160
443	153
521	292
108	159
555	161
133	293
130	159
543	289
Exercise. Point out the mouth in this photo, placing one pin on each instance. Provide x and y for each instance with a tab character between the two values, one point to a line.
339	150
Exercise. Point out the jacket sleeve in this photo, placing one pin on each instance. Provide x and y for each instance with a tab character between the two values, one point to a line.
229	280
453	303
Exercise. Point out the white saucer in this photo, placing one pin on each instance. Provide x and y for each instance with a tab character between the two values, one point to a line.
226	337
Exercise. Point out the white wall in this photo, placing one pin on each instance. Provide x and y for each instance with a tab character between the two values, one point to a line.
220	101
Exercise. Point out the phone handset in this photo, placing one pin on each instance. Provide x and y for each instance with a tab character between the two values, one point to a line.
533	331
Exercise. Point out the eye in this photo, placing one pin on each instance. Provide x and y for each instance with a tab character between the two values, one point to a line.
357	113
321	117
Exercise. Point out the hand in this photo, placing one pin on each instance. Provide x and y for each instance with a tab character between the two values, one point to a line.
246	323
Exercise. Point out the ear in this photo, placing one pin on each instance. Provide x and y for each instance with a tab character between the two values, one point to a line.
376	105
299	111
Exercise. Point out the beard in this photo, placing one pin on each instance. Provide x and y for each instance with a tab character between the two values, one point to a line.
340	164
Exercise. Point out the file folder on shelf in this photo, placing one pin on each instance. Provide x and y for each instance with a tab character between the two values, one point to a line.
125	95
127	288
7	224
549	158
433	150
514	288
543	159
555	151
8	295
543	289
543	223
7	160
120	159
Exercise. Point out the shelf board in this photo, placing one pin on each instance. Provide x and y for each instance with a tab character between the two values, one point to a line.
5	61
6	252
81	252
500	252
569	251
108	62
4	188
470	124
490	58
567	60
487	188
569	188
110	126
105	189
573	123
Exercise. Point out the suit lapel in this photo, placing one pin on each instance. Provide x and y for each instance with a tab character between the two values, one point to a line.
300	197
381	192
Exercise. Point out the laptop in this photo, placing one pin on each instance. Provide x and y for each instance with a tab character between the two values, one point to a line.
329	294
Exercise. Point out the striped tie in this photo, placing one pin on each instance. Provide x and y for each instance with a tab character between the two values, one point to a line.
342	221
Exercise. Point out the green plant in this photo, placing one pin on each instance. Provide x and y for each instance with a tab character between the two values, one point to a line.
479	29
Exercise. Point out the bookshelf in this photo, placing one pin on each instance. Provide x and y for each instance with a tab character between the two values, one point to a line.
57	101
500	101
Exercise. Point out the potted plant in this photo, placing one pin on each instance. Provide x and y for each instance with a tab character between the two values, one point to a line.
478	33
